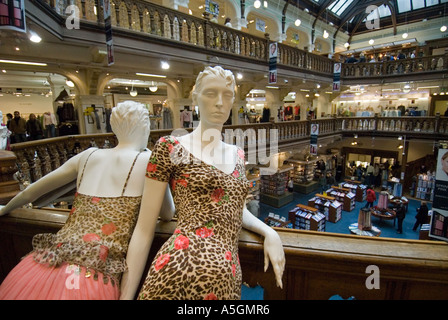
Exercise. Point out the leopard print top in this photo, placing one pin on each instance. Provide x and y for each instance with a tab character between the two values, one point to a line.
96	234
200	260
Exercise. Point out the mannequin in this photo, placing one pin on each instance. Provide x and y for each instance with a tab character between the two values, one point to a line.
200	260
4	134
101	221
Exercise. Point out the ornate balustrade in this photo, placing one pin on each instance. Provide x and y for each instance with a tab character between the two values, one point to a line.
37	158
396	67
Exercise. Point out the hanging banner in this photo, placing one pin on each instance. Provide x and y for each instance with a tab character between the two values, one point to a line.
108	29
12	15
273	53
337	76
439	217
313	142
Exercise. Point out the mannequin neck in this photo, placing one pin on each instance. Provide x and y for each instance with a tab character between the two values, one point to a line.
205	135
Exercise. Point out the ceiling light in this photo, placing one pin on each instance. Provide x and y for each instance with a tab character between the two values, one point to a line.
297	22
150	75
371	41
257	4
133	93
405	35
443	28
407	88
346	44
69	83
23	62
34	37
165	65
239	76
265	4
326	34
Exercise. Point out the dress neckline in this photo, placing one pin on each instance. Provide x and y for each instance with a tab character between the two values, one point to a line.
236	156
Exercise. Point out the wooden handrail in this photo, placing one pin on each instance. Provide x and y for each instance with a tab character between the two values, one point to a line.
318	264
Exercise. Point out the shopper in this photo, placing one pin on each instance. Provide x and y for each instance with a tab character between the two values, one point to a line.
34	128
400	214
227	23
371	197
421	216
17	126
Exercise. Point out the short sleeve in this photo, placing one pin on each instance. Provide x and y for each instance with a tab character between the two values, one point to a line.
160	165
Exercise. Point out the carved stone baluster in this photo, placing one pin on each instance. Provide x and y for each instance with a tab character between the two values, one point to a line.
193	34
185	32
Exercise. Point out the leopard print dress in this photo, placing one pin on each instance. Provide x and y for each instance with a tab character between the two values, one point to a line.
96	234
200	260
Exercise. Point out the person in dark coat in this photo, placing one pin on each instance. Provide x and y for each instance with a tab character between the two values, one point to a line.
401	214
421	216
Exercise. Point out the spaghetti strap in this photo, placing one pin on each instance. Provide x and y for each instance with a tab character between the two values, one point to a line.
85	163
129	174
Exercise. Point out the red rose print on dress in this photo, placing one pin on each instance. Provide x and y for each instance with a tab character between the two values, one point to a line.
181	242
233	270
162	261
108	228
236	174
219	196
151	167
241	153
210	296
228	255
96	200
104	252
91	237
206	231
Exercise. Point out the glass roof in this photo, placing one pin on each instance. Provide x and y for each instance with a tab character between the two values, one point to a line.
338	7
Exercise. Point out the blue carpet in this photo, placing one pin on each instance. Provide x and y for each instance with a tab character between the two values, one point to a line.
386	226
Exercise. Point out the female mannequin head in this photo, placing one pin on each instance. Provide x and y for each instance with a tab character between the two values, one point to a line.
130	122
214	93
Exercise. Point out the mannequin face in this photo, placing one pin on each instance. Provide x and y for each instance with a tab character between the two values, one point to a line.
214	99
445	164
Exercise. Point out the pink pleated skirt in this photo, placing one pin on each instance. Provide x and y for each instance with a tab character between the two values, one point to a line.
30	280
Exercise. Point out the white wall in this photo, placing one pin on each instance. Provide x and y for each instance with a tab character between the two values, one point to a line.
36	104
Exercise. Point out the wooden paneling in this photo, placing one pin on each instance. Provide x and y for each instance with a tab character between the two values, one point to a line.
318	264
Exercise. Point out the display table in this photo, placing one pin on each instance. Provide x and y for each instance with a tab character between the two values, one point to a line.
386	214
373	232
395	201
343	195
307	218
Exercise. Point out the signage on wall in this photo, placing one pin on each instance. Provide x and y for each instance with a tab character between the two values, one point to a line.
12	15
439	217
211	7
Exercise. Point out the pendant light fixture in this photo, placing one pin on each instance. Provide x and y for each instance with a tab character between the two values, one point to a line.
153	87
133	92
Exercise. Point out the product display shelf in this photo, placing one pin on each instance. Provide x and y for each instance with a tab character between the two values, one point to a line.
302	175
424	188
359	189
329	206
254	189
307	218
274	220
273	186
343	195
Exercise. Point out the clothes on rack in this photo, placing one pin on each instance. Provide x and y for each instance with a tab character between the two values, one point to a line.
266	114
167	118
66	112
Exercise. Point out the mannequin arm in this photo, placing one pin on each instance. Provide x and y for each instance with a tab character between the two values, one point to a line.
65	174
273	248
168	209
153	195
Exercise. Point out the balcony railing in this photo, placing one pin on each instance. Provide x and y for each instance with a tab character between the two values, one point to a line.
37	158
438	63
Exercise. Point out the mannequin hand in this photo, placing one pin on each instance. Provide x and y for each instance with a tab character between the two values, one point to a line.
273	251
